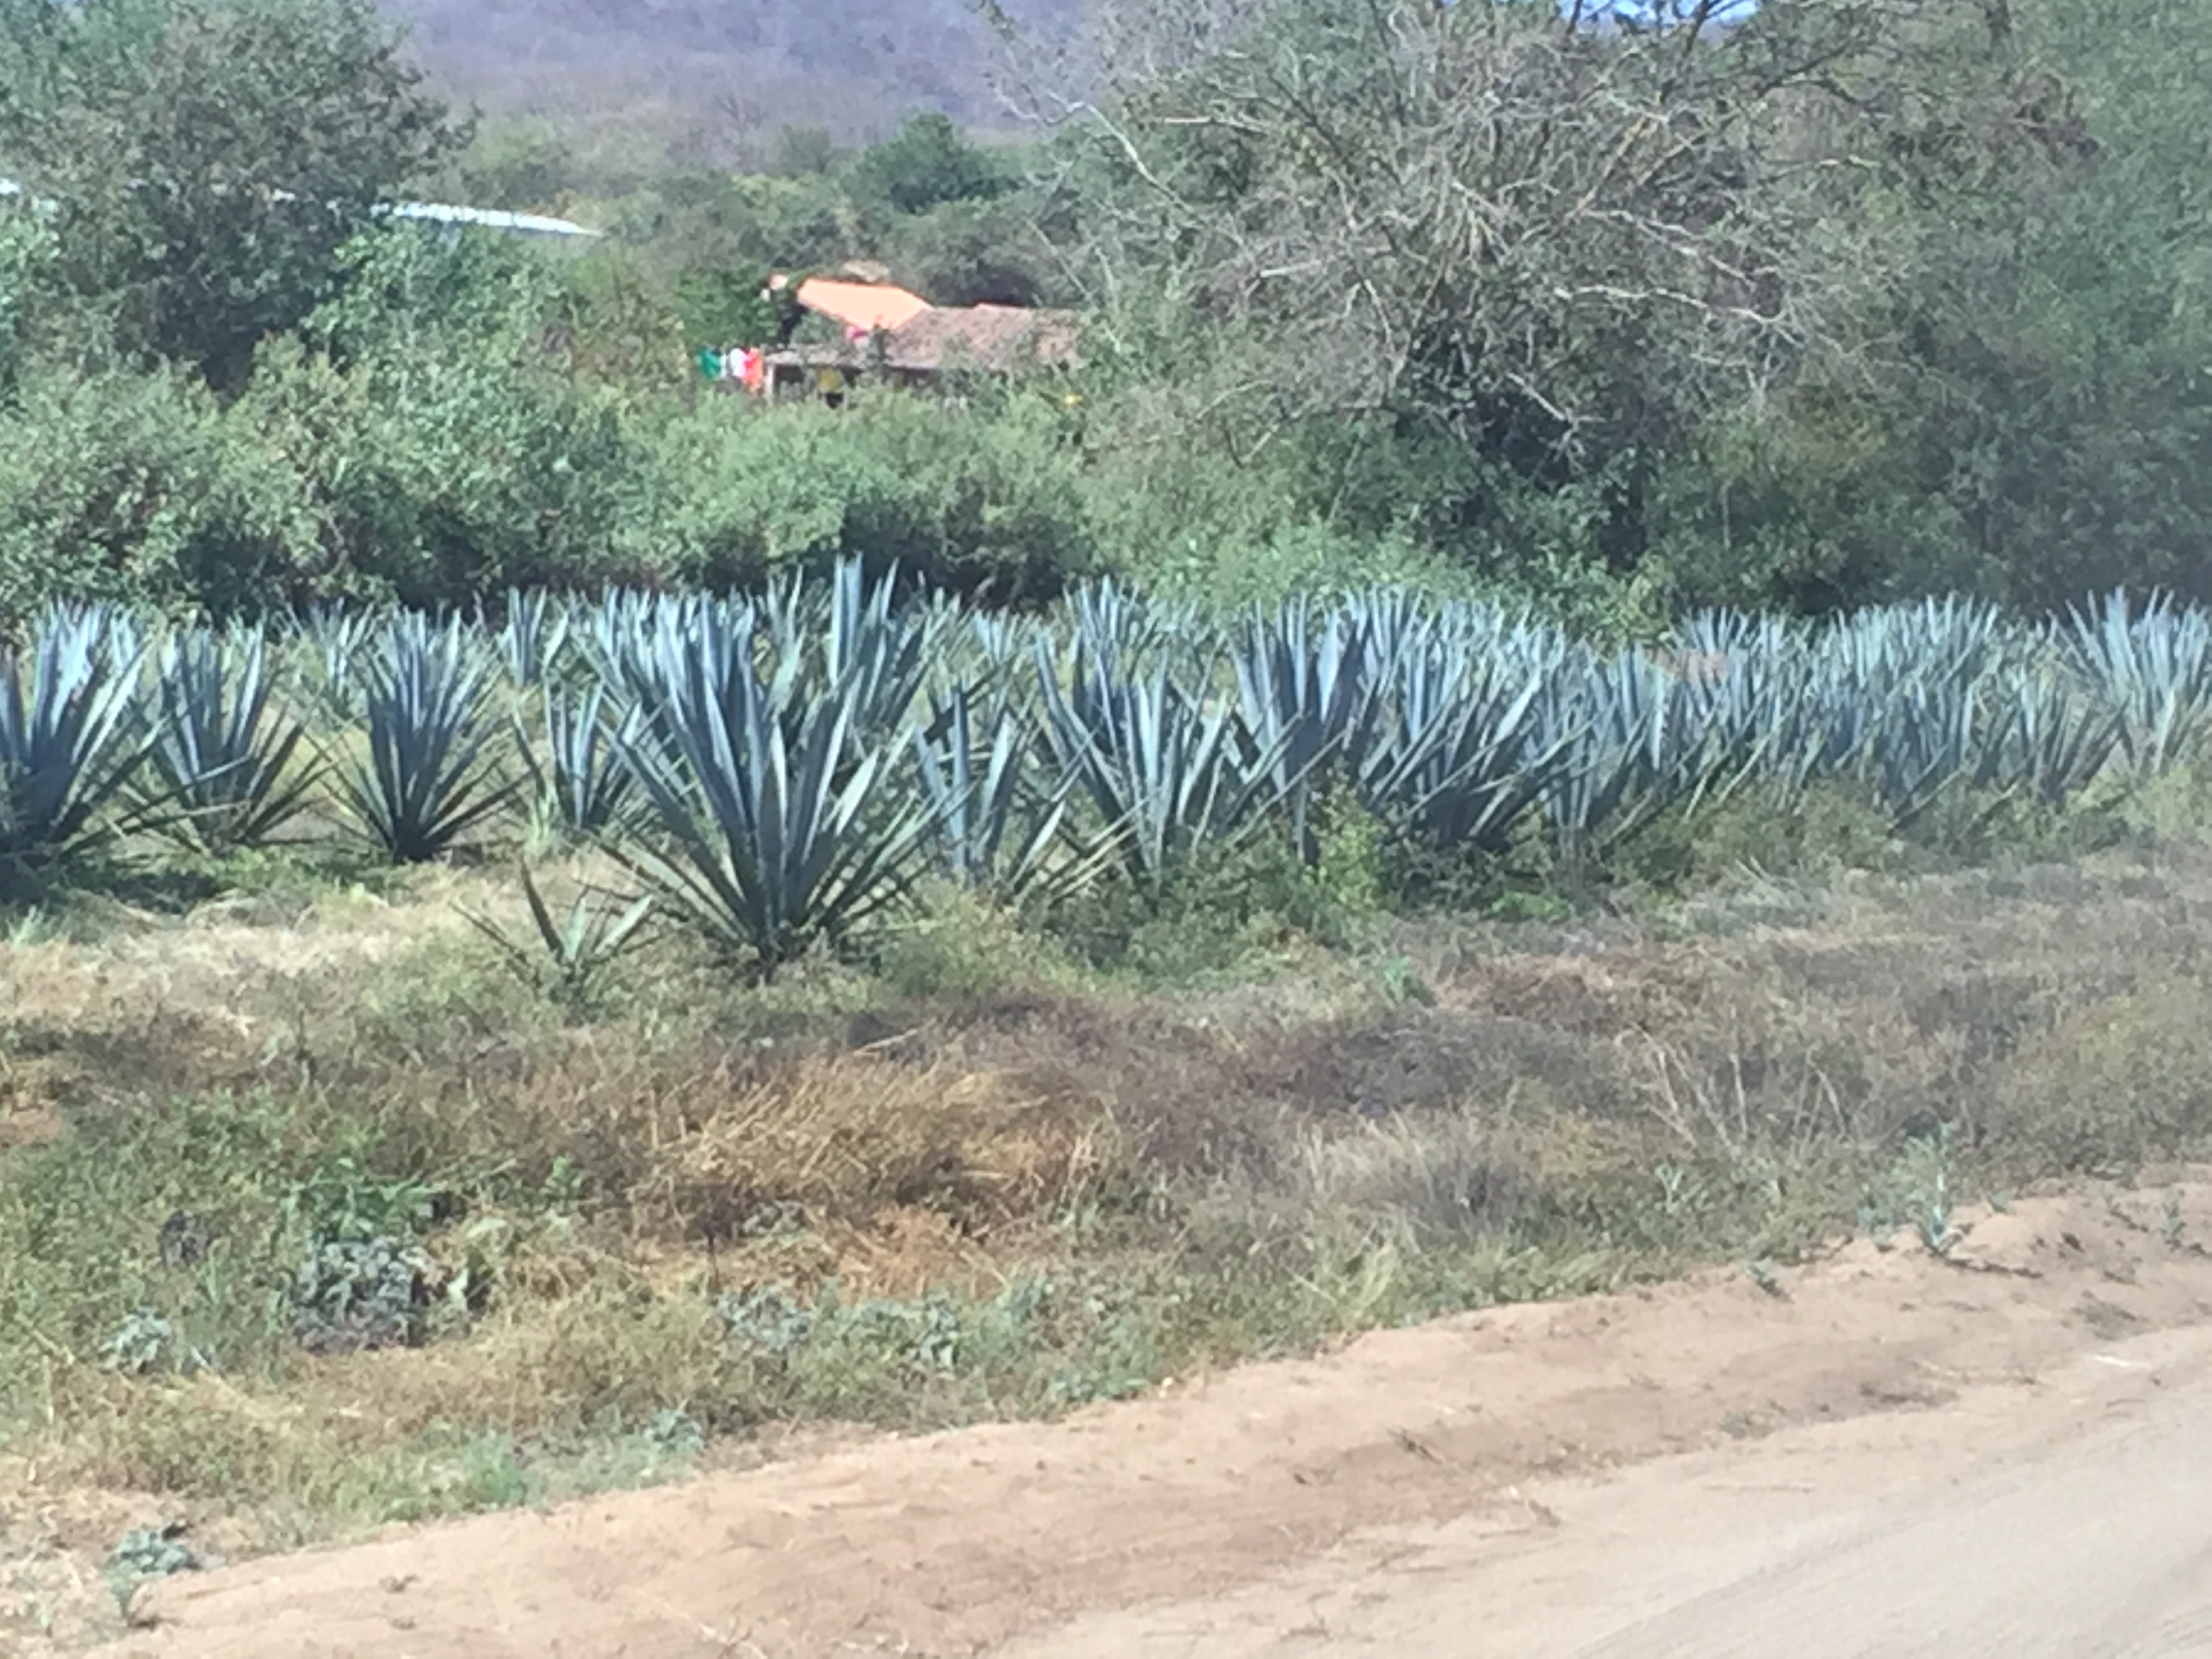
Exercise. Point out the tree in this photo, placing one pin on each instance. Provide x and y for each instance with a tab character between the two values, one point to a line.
1552	237
927	162
209	159
963	253
2026	411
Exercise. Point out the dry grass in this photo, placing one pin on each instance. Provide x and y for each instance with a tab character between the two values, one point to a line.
1091	1185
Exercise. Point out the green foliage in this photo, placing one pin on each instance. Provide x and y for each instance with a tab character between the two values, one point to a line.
443	454
982	502
926	164
209	161
26	252
137	488
1965	359
972	253
148	1553
728	306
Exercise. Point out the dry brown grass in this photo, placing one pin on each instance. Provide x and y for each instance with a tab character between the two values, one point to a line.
1213	1173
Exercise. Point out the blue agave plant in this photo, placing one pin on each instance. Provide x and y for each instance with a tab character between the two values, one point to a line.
426	783
73	732
222	760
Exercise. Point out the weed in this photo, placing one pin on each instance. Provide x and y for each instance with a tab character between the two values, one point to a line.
576	956
1916	1193
1402	986
145	1554
145	1342
999	1169
353	1294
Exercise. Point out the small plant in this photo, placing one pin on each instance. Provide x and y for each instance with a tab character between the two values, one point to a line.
765	1320
1762	1274
146	1554
146	1342
573	956
426	783
353	1295
1402	985
362	1282
342	1200
220	767
1917	1194
2170	1224
676	1432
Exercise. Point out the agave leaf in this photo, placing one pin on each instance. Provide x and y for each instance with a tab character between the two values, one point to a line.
1462	752
773	831
1310	696
73	732
1166	776
426	783
2153	670
578	783
222	763
973	810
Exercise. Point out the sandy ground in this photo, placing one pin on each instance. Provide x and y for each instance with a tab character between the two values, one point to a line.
2005	1452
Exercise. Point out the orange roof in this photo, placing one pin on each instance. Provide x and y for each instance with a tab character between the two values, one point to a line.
861	305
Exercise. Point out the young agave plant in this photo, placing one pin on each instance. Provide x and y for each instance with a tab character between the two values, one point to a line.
73	732
575	954
578	783
776	828
2154	670
426	783
1165	775
992	824
221	763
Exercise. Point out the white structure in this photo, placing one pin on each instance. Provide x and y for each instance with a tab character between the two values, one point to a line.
519	224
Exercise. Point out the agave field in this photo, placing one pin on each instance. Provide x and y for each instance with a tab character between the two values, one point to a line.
778	769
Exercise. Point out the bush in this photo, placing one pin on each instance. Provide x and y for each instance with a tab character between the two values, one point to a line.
977	501
438	477
138	489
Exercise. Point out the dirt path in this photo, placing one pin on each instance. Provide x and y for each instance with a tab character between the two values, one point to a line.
2069	1520
1434	1492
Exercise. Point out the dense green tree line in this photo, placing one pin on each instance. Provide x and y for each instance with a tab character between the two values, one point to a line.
1829	302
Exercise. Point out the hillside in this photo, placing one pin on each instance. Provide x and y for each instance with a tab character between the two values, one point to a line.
706	74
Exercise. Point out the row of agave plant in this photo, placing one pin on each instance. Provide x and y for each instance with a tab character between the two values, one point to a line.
780	767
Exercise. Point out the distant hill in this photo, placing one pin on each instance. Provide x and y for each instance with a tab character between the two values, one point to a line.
706	74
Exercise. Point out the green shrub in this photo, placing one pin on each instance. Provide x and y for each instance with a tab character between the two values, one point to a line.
981	502
139	489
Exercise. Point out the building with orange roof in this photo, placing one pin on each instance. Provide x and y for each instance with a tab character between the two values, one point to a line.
861	307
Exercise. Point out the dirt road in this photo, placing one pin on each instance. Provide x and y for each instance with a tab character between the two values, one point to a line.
2072	1521
2007	1452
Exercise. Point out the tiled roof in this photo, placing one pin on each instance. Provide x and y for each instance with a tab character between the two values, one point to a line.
991	337
861	305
